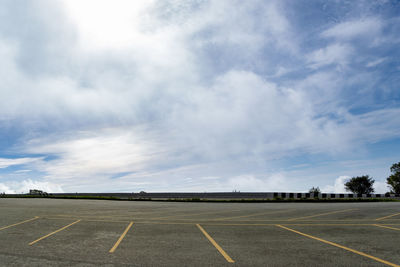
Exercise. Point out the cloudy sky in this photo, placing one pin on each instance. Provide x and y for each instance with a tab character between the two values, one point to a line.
177	95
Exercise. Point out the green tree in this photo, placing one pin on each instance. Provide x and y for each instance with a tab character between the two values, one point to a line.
314	190
394	180
360	185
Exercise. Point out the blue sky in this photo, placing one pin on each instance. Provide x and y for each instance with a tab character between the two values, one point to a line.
125	96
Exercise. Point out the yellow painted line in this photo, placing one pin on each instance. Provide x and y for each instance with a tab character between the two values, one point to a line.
193	221
87	220
260	224
239	224
372	221
320	214
255	224
223	253
251	215
15	224
90	216
156	213
121	237
292	224
325	224
333	224
389	216
285	220
136	222
111	216
275	221
225	224
340	246
85	216
384	226
193	214
43	237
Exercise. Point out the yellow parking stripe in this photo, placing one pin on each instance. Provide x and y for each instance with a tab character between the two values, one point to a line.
227	224
43	237
251	215
340	246
121	238
129	216
15	224
389	216
320	214
155	213
291	224
193	214
384	226
223	253
194	221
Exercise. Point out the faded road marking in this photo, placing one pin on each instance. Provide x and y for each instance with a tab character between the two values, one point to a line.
15	224
193	214
340	246
389	216
59	230
320	214
121	238
250	215
384	226
226	256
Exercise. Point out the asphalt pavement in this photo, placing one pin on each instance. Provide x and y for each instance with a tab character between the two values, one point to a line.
57	232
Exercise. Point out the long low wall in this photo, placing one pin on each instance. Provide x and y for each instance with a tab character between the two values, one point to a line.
231	195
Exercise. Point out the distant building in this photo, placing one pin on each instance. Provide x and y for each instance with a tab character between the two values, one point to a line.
36	192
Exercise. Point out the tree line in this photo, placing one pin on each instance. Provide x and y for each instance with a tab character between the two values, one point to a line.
364	184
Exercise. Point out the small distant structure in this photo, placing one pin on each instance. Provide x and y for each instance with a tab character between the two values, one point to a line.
37	192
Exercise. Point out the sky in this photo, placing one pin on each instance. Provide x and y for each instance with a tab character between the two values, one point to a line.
197	96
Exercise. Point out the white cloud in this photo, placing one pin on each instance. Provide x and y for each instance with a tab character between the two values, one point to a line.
376	62
25	185
381	187
250	183
105	24
338	186
222	23
6	162
22	171
90	154
333	54
192	179
239	117
6	189
145	88
349	29
376	125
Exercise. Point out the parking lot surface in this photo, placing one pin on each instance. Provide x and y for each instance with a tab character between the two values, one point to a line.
56	232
